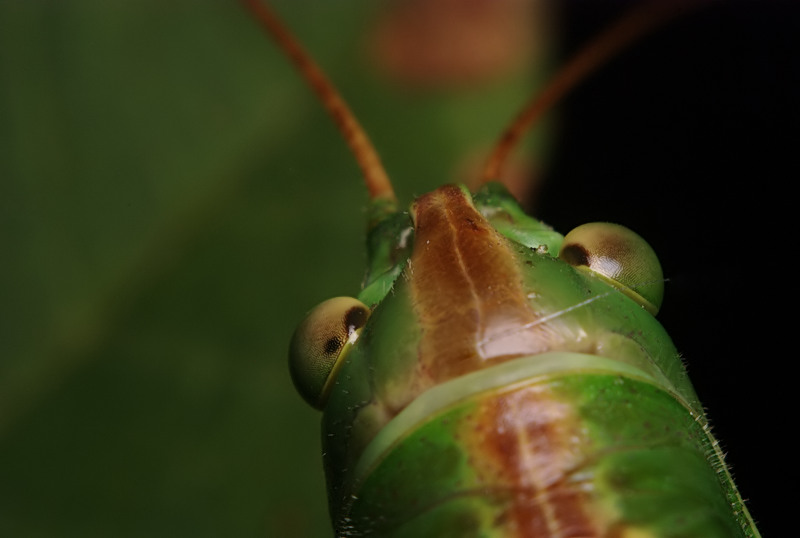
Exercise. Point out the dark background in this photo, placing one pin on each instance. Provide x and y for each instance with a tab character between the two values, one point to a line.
690	138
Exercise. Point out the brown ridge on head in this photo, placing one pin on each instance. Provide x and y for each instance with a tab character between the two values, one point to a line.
467	290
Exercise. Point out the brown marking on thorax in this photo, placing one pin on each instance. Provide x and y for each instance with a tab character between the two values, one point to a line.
528	447
467	289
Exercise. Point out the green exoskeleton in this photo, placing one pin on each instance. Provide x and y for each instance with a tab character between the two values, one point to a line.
495	378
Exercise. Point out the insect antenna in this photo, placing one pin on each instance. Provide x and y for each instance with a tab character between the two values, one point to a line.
634	24
375	177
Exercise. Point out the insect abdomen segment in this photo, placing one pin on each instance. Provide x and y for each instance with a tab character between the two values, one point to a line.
564	454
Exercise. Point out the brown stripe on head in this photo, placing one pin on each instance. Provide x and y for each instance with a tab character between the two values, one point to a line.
468	289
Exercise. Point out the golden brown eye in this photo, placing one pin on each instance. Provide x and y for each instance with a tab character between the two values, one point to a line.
619	256
321	342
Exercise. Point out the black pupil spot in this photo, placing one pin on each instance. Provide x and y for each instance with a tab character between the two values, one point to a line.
333	345
355	318
575	254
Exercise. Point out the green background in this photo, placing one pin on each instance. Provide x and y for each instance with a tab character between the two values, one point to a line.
173	201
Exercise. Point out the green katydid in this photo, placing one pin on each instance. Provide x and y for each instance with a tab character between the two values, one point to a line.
495	378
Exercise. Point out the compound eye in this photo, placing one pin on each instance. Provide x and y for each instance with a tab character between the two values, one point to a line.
620	257
321	342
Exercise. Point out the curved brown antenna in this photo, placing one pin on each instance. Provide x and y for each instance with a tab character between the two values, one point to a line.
626	30
375	176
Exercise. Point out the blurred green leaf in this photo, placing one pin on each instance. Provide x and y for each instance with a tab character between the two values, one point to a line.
172	200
